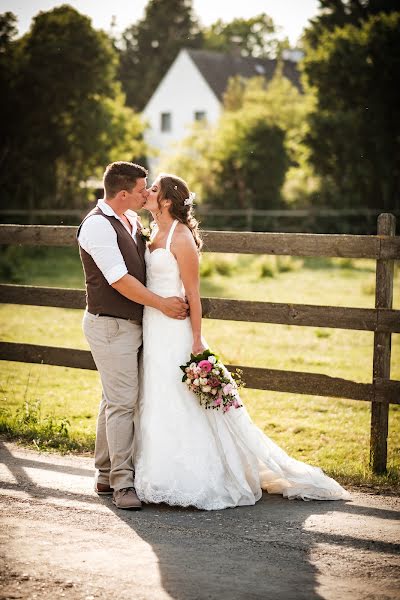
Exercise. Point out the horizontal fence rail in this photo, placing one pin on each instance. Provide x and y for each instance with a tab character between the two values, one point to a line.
255	378
382	320
294	244
364	319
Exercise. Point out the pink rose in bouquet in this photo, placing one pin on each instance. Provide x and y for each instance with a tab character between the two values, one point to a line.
205	366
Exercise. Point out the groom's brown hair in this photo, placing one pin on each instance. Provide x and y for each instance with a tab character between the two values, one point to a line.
121	175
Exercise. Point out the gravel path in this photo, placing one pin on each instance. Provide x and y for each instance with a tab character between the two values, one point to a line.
60	540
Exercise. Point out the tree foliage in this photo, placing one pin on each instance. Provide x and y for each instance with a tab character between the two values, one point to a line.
251	162
243	162
256	36
149	47
8	98
354	131
66	116
339	13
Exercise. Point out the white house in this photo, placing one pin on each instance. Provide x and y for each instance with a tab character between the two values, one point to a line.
192	90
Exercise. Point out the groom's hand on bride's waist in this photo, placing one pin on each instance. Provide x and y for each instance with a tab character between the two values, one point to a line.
175	307
134	290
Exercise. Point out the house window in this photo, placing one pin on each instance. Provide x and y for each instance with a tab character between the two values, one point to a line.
166	121
199	115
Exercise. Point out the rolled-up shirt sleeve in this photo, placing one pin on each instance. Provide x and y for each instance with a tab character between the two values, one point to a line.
99	239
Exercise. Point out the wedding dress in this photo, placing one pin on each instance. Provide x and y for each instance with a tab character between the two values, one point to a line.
188	456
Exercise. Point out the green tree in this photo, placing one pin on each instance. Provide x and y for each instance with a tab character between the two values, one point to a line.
244	160
149	47
339	13
278	101
240	163
69	117
251	162
252	37
354	131
8	31
281	103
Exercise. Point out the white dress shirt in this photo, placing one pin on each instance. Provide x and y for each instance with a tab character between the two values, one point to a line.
99	239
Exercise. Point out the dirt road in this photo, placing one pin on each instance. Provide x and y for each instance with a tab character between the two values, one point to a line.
59	540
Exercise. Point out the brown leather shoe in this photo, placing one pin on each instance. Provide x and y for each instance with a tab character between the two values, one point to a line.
126	498
103	489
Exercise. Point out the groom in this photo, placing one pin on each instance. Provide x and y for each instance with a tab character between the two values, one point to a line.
112	252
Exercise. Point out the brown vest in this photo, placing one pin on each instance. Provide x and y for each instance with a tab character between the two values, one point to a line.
101	297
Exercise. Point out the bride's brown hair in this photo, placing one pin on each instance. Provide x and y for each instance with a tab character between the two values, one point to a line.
176	190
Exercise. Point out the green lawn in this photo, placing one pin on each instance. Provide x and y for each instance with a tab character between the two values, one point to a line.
328	432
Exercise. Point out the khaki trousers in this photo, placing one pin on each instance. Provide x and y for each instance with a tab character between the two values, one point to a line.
115	344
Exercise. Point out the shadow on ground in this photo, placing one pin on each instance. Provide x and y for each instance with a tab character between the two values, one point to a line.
277	549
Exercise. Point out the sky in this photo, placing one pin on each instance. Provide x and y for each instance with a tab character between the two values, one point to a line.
290	15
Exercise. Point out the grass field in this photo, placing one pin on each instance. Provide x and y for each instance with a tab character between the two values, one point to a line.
61	404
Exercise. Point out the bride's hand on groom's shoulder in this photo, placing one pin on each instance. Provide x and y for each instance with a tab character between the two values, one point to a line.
175	307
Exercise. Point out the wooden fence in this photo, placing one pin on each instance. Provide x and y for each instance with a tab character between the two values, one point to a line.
382	320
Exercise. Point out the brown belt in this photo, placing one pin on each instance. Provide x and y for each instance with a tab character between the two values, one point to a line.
124	318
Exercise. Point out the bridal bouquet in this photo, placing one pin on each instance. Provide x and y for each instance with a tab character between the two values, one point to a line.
211	381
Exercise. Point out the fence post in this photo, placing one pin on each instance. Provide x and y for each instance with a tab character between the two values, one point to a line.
382	350
249	219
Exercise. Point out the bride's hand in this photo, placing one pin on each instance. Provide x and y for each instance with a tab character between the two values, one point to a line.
198	348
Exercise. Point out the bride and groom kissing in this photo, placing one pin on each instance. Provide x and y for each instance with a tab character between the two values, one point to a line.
154	441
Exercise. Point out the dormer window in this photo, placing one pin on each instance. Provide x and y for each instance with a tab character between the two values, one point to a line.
165	124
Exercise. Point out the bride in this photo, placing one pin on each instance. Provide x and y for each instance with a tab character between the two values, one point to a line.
186	455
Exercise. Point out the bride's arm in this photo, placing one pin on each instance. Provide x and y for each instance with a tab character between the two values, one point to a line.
185	251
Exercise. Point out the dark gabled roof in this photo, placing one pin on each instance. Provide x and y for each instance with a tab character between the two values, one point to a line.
217	68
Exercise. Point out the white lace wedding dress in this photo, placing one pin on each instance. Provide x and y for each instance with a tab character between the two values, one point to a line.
188	456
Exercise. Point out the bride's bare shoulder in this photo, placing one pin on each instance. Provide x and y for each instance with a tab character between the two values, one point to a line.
183	232
183	238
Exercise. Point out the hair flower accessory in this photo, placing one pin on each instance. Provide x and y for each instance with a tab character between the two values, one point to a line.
189	201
